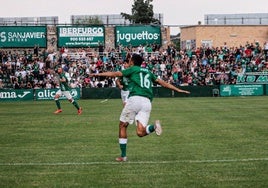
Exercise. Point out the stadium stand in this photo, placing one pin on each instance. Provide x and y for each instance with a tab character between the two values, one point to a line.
201	66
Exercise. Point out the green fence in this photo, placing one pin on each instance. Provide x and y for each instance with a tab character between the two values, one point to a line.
114	93
100	93
243	90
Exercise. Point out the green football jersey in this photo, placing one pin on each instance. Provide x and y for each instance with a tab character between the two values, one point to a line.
140	81
64	86
124	82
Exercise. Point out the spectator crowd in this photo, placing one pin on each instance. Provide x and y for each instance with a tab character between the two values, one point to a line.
27	69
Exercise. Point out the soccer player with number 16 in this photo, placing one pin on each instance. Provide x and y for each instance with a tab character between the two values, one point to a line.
138	106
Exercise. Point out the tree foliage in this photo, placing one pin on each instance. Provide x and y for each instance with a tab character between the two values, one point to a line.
142	13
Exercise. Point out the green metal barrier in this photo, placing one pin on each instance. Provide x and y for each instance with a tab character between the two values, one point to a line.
114	93
197	91
101	93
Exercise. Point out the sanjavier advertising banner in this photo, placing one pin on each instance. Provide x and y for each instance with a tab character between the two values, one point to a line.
137	35
22	36
80	36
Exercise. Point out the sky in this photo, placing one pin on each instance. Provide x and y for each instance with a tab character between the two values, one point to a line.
175	12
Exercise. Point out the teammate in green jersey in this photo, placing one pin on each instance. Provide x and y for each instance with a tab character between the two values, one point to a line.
64	90
122	84
138	106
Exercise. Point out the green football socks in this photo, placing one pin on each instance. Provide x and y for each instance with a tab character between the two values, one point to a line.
123	146
58	104
150	129
75	104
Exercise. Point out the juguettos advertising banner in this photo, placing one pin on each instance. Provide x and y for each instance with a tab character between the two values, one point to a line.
22	36
137	35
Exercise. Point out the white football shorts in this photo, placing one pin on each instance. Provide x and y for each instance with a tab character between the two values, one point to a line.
67	94
124	95
137	109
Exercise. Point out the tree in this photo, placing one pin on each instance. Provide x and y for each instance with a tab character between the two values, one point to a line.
142	13
89	20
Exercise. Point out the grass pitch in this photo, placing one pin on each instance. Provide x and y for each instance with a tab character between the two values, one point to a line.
206	142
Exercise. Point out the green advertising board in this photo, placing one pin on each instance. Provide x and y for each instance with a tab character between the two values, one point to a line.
241	90
137	35
16	94
23	36
30	94
253	78
80	36
48	94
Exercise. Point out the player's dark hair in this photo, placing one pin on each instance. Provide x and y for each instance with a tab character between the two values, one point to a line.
137	59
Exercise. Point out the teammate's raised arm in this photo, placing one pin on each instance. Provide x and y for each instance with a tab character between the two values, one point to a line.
170	86
107	74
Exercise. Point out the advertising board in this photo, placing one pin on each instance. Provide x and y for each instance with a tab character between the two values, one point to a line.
137	35
23	36
80	36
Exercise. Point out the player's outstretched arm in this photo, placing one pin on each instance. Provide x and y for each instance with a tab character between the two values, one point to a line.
108	74
118	83
170	86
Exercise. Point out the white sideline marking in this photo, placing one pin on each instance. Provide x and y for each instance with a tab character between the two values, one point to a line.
134	162
106	100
